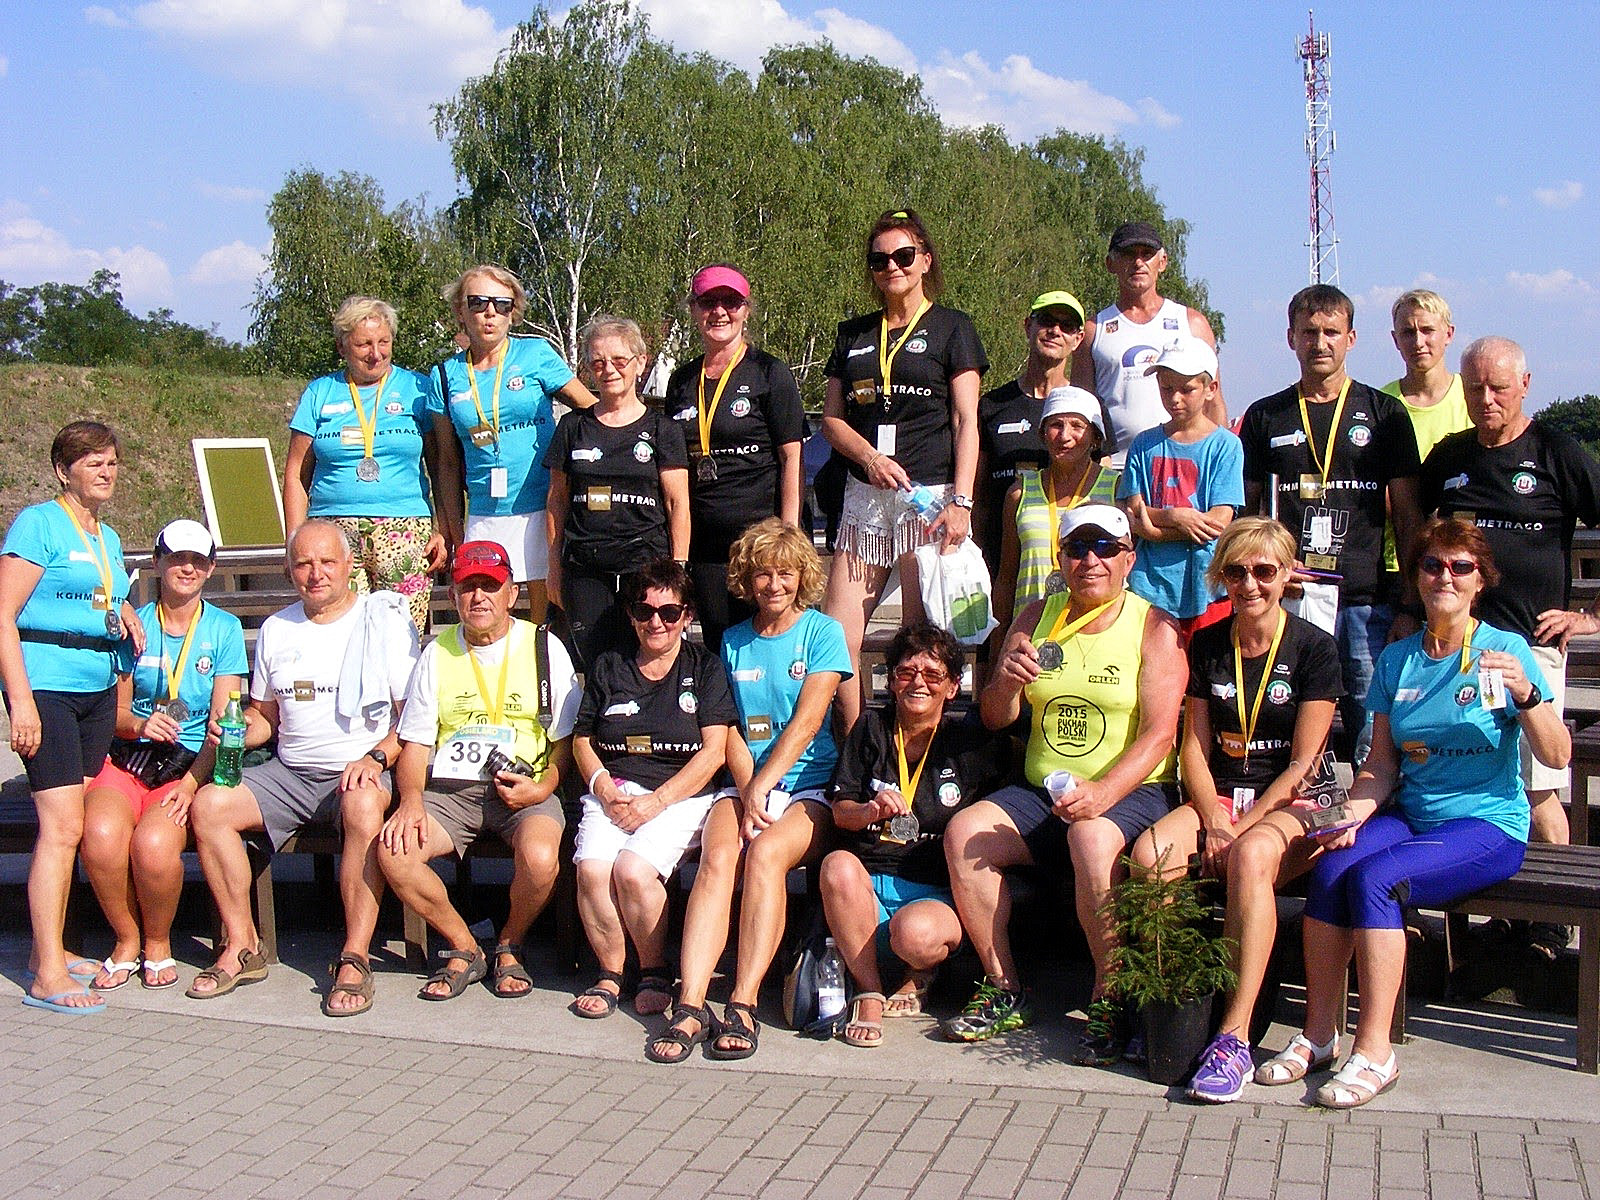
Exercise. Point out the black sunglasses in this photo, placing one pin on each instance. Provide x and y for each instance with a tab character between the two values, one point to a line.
1066	324
879	260
669	613
1264	572
1103	547
502	304
1432	564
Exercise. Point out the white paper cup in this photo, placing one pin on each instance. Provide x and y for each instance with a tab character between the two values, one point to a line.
1059	783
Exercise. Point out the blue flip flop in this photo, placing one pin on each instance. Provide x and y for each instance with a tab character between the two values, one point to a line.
54	1003
83	969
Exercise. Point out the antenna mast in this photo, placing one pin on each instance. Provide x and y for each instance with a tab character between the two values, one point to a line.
1313	50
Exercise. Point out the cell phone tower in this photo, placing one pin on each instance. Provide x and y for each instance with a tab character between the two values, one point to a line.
1315	53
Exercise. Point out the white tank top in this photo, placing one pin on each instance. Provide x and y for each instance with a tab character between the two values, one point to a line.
1122	350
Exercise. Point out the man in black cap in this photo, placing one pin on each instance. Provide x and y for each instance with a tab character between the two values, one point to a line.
1127	337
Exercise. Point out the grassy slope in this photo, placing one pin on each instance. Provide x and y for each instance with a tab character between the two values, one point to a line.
154	411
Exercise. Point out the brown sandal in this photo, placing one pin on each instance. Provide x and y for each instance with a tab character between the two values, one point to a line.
252	969
362	990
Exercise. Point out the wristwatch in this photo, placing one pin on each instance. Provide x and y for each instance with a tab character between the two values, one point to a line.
961	501
1535	698
377	755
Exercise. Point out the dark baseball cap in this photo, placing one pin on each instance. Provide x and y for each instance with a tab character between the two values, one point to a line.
1135	233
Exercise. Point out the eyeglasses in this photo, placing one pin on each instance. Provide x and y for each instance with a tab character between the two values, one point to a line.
933	676
1102	547
726	303
1235	573
1066	324
1432	564
502	304
670	614
616	364
879	260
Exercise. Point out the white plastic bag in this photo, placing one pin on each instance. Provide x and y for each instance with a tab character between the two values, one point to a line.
1318	603
955	591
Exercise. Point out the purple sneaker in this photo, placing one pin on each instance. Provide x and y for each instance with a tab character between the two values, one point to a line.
1223	1071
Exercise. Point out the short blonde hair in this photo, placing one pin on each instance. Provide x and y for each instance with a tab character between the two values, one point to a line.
605	325
357	309
455	295
1246	536
1421	298
776	543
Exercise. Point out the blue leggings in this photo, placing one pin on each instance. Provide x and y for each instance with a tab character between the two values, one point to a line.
1366	885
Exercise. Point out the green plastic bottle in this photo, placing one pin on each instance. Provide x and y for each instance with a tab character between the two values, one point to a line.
229	771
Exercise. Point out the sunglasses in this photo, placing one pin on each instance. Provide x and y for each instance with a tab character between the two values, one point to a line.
1432	564
879	260
481	558
934	676
1046	320
1235	573
726	303
670	614
502	304
1102	547
618	365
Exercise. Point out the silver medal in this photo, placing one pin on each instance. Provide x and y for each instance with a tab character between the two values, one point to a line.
706	470
1050	656
1055	583
177	710
367	470
904	827
114	627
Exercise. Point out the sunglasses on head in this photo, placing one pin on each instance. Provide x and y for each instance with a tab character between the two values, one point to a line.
934	676
1264	572
879	260
1103	547
502	304
1066	324
479	556
1432	564
670	614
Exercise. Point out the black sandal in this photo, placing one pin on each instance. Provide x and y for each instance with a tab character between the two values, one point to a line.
477	967
653	979
673	1036
611	998
515	971
732	1026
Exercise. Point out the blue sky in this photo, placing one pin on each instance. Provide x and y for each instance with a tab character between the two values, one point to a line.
148	136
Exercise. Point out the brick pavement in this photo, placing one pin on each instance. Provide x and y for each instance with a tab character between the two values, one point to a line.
153	1103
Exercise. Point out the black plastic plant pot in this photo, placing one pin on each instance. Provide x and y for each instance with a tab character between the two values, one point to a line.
1175	1036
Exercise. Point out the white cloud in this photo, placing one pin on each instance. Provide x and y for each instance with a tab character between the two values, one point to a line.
742	31
32	252
1560	284
229	192
395	57
234	263
1562	195
97	14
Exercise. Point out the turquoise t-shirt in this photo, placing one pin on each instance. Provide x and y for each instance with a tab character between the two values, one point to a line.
767	675
533	373
62	601
216	649
328	417
1169	474
1457	758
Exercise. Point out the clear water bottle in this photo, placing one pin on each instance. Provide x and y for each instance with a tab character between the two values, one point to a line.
925	500
229	770
830	984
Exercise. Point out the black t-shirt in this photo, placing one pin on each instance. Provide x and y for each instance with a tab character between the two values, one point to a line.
1307	668
617	517
760	410
1008	444
645	730
1343	531
965	767
1527	497
944	343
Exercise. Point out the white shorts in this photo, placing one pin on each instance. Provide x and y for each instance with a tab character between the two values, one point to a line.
525	538
877	526
662	841
1537	777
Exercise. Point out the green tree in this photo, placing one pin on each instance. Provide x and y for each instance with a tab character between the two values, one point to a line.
1578	416
333	238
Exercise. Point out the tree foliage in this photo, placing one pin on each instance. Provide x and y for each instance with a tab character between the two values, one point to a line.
1578	416
333	238
90	326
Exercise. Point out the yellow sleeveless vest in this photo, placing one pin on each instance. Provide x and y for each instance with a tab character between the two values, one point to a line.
461	704
1086	712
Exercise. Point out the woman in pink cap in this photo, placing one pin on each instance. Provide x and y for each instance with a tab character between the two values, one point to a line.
744	425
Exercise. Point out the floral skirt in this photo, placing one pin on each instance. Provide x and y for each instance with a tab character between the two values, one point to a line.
389	555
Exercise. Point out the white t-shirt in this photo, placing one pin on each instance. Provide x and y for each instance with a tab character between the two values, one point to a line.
419	722
1122	350
293	650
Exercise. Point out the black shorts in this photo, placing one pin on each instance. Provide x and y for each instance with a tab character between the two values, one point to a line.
1032	812
75	734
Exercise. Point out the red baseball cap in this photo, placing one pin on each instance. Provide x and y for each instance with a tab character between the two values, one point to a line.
481	558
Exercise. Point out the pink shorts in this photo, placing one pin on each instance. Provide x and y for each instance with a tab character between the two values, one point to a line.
140	798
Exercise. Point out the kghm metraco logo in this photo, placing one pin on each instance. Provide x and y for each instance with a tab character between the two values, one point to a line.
1279	692
1466	694
1417	752
1523	483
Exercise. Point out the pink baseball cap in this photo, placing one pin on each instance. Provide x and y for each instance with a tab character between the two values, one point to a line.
709	279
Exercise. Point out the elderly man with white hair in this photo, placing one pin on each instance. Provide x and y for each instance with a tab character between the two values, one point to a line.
1526	486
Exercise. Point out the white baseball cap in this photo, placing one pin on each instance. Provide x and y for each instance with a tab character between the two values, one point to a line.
1073	402
185	535
1106	517
1187	356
